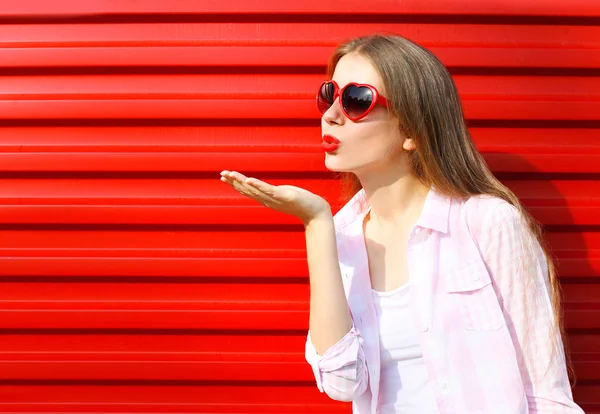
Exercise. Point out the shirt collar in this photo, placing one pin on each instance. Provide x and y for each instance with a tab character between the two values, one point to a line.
434	216
436	212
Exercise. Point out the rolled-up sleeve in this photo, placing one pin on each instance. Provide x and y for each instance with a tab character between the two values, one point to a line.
341	372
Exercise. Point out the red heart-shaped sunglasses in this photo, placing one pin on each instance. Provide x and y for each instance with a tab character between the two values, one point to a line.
356	99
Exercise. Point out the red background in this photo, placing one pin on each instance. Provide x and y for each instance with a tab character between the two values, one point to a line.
132	280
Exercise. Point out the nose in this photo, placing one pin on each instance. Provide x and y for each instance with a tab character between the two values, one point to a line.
334	115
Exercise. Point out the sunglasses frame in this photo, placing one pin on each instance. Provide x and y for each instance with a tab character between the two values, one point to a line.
378	99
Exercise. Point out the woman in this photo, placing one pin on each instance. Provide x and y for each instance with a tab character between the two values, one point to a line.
431	289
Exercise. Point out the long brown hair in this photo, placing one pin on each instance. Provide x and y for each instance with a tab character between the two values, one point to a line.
424	98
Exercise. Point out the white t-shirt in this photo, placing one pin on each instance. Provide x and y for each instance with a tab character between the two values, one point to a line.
404	384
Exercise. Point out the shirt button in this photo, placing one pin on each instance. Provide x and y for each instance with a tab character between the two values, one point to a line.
444	385
476	277
418	230
424	327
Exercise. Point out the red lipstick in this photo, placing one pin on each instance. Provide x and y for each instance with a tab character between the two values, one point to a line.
330	143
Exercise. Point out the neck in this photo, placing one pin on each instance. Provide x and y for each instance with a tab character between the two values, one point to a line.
395	197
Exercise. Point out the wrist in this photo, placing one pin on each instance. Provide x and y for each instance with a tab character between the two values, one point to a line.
322	217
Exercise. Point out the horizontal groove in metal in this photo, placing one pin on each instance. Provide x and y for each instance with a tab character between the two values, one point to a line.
261	149
349	7
283	56
222	109
271	97
188	399
196	57
140	359
208	201
191	296
211	253
205	267
270	44
179	367
294	87
298	87
549	109
551	37
145	346
196	306
82	398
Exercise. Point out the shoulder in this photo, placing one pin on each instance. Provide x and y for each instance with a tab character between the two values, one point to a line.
483	205
497	226
484	212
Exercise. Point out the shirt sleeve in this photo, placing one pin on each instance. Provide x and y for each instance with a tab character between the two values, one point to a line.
342	370
519	271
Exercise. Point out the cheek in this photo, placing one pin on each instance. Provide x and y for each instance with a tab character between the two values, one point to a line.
377	142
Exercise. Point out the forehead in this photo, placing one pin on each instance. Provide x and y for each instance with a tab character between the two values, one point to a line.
356	68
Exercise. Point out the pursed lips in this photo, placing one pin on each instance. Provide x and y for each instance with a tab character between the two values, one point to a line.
330	143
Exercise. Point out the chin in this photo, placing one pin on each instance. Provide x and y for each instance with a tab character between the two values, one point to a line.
331	163
335	164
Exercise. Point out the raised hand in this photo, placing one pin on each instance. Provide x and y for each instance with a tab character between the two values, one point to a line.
287	199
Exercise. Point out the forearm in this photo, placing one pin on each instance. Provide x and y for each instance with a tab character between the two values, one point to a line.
329	314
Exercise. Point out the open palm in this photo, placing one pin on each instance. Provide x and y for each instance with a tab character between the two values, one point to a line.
287	199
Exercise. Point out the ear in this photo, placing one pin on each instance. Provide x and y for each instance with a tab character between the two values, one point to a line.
409	144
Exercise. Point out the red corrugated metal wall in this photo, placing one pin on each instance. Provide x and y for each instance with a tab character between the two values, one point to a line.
132	280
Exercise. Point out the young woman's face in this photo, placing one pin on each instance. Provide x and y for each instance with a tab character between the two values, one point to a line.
369	143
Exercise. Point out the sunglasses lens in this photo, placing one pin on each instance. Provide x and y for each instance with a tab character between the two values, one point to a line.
325	97
357	100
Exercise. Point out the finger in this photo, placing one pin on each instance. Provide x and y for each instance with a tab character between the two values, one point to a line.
237	176
237	185
245	182
226	178
227	175
258	195
249	192
267	189
240	182
232	182
269	194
